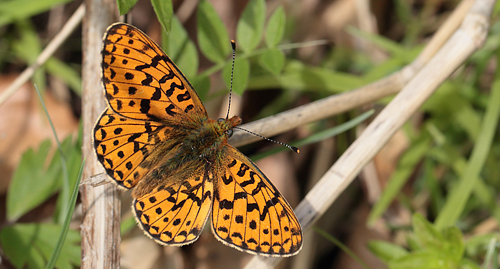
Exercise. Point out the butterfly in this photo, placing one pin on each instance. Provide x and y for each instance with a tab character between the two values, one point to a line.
156	138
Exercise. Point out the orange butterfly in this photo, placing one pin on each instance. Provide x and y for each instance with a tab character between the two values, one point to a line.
156	137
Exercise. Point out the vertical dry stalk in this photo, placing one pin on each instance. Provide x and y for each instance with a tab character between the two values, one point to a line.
101	205
468	38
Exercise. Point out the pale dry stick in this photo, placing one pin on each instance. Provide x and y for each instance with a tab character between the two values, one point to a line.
56	42
339	103
445	31
468	38
101	205
321	109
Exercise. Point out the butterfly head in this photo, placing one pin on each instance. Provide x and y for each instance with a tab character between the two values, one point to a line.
228	124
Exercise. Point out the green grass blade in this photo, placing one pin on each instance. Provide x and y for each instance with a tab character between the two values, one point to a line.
380	41
67	219
127	225
65	185
341	246
322	135
410	159
456	201
490	253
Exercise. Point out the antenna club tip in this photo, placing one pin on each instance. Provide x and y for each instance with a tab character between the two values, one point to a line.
233	44
295	149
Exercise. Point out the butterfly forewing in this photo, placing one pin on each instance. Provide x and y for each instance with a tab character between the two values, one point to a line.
249	213
141	82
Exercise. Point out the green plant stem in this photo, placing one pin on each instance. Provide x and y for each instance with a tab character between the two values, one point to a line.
341	246
67	220
456	201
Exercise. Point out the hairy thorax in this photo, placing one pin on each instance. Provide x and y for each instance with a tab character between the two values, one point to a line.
206	141
196	149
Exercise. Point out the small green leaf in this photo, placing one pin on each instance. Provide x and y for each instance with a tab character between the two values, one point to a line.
181	49
275	27
426	234
124	6
413	243
30	245
164	12
251	25
272	60
33	181
213	38
386	251
454	242
241	75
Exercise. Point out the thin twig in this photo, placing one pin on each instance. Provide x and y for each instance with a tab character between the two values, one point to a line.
56	42
468	38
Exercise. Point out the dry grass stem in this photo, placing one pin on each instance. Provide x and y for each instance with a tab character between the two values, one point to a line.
56	42
101	205
445	31
468	38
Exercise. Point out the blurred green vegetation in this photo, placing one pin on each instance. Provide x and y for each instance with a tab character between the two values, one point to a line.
453	154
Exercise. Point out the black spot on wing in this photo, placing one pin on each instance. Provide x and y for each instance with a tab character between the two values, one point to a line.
225	204
227	180
165	78
183	97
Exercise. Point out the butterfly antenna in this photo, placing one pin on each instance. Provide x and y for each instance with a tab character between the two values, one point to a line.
233	45
295	149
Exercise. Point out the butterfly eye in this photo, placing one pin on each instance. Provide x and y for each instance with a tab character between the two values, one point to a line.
229	133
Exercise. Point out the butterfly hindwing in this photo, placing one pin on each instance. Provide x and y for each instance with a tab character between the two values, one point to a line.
249	213
175	212
140	80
